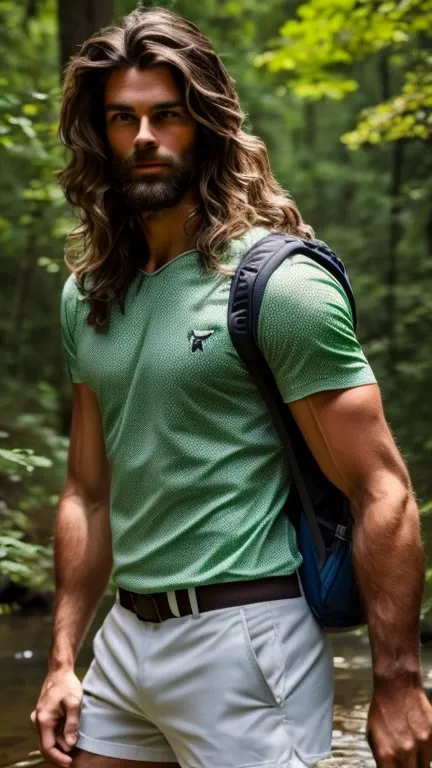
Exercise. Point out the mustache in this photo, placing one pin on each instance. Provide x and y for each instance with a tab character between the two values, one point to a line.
146	156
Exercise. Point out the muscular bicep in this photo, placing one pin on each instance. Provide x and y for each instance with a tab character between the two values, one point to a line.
88	468
347	432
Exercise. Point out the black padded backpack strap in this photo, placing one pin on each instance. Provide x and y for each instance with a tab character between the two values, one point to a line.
246	294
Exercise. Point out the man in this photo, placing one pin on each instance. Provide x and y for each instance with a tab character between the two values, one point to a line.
210	657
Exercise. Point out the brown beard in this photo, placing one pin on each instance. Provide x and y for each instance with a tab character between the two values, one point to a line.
157	190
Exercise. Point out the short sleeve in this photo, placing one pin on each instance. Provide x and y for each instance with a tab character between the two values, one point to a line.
306	332
68	316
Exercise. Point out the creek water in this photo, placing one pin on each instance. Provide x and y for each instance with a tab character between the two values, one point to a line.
24	643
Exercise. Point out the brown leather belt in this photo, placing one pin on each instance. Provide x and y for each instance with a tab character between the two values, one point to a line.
156	608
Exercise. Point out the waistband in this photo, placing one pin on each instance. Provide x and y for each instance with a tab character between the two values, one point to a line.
160	606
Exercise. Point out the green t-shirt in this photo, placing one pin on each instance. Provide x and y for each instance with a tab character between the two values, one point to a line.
198	476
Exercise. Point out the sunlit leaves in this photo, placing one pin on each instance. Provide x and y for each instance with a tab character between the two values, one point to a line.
319	48
21	560
49	264
25	457
331	87
407	115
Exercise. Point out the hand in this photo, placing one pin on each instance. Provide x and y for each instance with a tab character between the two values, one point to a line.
400	725
56	717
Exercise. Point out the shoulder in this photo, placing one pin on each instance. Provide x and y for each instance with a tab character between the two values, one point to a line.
239	246
73	304
306	287
71	292
303	302
306	332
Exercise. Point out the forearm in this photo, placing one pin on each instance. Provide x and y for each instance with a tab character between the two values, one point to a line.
83	562
389	562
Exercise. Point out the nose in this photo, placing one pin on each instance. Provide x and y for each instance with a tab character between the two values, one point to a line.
145	135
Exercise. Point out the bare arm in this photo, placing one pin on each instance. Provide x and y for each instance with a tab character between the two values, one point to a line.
83	558
347	432
83	562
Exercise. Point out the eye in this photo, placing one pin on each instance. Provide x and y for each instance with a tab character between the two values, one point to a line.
167	114
122	117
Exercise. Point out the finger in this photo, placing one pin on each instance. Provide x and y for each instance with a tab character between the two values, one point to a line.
48	746
425	756
55	757
381	760
409	759
67	734
386	762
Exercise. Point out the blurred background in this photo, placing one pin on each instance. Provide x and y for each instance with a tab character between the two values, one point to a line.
341	92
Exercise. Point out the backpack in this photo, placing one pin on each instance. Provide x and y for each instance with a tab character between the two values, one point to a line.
319	511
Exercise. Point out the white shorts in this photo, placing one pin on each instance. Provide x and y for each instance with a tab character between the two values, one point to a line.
231	688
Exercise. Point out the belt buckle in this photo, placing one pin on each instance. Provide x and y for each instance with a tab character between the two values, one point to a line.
149	598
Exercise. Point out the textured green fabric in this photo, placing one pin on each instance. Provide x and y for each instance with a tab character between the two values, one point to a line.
198	476
306	332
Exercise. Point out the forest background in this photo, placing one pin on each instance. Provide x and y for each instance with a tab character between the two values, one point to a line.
341	92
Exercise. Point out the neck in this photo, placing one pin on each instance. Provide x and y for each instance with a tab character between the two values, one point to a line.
165	233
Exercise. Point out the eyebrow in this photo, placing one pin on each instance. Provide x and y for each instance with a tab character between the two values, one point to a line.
115	107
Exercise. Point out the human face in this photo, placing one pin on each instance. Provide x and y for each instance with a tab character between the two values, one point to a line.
151	135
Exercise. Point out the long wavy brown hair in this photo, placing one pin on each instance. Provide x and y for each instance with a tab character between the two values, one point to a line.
237	189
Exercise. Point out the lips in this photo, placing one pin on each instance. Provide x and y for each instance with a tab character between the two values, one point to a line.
151	165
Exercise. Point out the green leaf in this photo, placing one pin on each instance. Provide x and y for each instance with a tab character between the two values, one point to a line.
12	568
30	110
41	461
22	547
13	456
318	48
25	457
39	96
25	124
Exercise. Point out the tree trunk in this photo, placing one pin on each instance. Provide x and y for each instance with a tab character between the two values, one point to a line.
429	233
78	20
32	9
316	200
395	229
395	233
19	304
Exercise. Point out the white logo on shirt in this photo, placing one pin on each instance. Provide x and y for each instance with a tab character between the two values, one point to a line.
197	339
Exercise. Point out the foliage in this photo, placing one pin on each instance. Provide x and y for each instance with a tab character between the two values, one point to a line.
319	49
408	115
34	218
29	500
25	457
30	480
24	561
351	61
33	222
